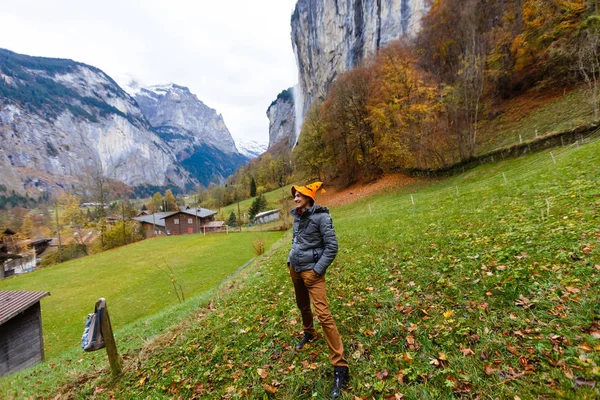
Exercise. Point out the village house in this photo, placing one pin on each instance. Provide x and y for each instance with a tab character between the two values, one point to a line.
21	341
192	220
18	257
182	222
153	224
267	216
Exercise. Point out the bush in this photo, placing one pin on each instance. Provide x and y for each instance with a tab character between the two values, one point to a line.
121	233
68	252
259	246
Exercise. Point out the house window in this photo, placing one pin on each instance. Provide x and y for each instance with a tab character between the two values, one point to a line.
190	221
176	221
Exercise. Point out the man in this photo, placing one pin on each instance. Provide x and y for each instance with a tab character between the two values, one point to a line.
314	247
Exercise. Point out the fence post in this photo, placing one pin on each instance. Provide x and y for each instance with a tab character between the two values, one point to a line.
116	365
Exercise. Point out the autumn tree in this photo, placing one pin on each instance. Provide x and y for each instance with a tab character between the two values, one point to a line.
201	196
121	233
346	113
540	48
95	185
588	57
217	195
72	214
170	201
313	156
157	204
28	227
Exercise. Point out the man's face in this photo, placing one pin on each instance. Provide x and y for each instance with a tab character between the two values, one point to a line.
301	200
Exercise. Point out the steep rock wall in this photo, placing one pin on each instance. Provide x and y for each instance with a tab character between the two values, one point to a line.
332	36
282	119
60	119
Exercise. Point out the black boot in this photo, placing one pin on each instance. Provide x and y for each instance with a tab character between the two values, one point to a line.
306	339
340	381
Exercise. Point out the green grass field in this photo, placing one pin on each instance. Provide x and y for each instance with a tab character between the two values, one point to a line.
131	281
485	285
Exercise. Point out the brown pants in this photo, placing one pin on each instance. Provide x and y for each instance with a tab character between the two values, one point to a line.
311	287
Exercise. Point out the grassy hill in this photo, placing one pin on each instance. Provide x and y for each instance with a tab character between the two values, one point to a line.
134	280
485	284
533	114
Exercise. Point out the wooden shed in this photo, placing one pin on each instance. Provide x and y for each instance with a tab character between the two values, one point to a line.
267	216
21	339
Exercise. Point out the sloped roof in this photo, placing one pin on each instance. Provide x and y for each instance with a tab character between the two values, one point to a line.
156	218
269	212
13	302
200	212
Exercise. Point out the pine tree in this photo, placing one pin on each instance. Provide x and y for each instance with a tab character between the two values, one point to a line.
252	187
232	221
259	204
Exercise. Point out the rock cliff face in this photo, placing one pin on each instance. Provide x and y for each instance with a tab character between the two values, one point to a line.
282	119
332	36
173	109
195	132
60	118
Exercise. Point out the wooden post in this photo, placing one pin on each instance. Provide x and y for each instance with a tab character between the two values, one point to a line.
58	232
116	365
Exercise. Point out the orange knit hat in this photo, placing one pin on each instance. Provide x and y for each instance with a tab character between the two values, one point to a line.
309	190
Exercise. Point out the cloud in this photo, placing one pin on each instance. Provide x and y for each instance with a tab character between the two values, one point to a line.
234	55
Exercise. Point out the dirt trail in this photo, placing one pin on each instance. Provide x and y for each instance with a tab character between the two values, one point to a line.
337	196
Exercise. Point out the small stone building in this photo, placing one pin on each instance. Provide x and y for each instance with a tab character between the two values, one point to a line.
21	338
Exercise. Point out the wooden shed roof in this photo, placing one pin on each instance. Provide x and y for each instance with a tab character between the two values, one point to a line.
14	302
268	212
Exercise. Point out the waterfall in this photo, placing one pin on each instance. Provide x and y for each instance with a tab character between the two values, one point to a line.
298	110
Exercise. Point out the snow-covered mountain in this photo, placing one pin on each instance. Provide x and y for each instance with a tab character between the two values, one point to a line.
250	148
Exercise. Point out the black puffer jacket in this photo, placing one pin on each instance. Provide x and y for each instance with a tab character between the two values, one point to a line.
314	245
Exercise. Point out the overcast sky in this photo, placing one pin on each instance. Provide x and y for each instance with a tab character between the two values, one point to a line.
235	55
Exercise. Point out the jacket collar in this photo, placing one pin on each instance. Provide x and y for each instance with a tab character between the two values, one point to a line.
309	211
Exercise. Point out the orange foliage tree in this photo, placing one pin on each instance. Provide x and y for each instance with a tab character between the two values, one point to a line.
403	111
